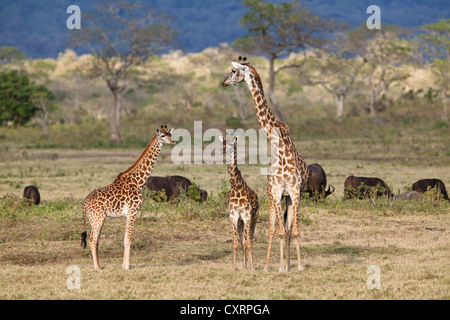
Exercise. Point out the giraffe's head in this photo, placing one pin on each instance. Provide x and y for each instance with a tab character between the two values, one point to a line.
228	143
164	135
238	72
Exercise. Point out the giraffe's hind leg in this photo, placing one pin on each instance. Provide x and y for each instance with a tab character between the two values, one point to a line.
292	226
271	232
241	235
96	228
234	225
248	245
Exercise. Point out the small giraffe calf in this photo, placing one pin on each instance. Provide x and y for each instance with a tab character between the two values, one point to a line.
243	206
123	197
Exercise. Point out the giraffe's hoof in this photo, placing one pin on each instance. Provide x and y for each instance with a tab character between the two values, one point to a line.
282	269
300	267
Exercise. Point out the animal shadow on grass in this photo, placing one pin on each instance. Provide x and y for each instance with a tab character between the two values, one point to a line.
194	259
213	256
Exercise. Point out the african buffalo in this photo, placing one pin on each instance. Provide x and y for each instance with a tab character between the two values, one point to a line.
31	193
363	188
427	184
172	186
317	182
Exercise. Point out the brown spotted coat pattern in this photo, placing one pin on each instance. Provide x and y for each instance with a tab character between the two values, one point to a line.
243	207
123	197
287	173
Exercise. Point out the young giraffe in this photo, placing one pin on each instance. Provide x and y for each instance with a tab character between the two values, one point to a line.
123	197
243	206
287	173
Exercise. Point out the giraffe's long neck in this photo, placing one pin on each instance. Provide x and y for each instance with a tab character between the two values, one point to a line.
265	117
235	174
141	170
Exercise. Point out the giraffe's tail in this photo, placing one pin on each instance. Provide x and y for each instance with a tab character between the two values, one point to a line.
288	203
83	239
84	234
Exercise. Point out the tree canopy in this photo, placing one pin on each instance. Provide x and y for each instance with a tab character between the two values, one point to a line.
120	36
276	30
18	96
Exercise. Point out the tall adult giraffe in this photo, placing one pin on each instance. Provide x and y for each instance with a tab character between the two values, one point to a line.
287	173
123	197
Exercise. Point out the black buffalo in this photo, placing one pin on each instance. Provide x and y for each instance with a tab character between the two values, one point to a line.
172	185
427	184
31	194
317	182
364	188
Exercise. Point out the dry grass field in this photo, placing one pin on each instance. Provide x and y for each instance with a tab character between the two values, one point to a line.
183	250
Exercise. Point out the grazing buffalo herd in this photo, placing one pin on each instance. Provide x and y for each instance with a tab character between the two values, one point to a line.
363	188
368	187
354	187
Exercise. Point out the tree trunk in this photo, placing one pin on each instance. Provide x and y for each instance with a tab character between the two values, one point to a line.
45	122
273	101
373	112
115	117
444	105
340	99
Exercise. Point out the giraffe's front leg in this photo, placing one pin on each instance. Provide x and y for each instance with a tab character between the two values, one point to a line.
131	218
272	217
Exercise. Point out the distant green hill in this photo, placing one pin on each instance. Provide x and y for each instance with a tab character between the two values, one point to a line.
38	28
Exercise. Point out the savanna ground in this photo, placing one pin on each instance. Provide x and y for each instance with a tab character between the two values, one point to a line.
183	250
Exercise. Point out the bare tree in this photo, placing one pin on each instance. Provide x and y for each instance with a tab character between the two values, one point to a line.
120	36
384	51
336	71
435	51
43	101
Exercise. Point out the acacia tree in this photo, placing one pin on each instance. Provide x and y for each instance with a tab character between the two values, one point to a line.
276	30
336	71
384	51
43	99
10	55
120	36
